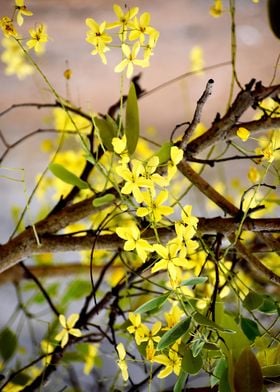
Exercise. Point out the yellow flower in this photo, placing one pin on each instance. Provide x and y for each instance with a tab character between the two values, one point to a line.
243	134
130	59
38	39
169	259
154	207
98	38
137	328
149	47
141	27
120	148
173	316
133	241
121	361
172	362
216	9
151	335
7	27
134	179
123	21
176	155
21	10
63	336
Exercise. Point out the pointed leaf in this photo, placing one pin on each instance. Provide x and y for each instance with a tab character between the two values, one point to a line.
108	129
164	152
247	373
152	304
252	300
8	343
268	306
66	176
250	328
271	371
174	333
132	126
191	364
102	200
194	281
180	383
203	320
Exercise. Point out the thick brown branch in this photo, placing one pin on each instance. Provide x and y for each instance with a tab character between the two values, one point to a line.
207	189
25	244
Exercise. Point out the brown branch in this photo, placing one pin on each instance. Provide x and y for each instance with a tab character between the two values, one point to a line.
47	105
226	127
25	244
207	189
197	114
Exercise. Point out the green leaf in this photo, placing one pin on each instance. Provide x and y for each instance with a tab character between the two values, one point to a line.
108	129
250	328
203	320
76	290
164	153
66	176
252	300
180	383
220	368
103	200
51	290
194	281
8	343
234	343
247	375
268	306
152	304
190	363
132	126
174	333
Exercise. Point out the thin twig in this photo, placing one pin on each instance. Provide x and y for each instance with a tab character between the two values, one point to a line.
197	114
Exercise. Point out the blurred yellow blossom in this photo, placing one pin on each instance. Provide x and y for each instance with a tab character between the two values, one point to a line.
121	362
15	59
253	174
90	358
216	9
197	62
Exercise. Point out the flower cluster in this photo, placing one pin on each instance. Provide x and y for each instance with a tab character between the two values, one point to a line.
135	36
150	337
15	55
